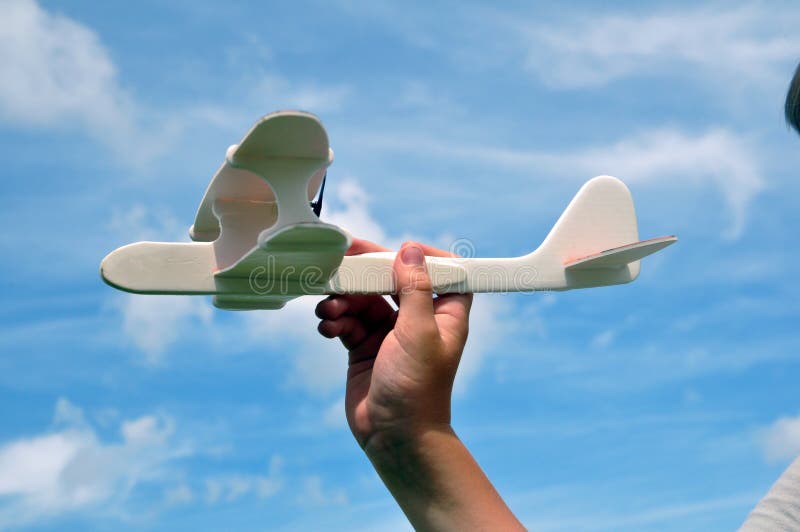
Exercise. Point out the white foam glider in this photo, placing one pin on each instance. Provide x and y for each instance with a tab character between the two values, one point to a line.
258	243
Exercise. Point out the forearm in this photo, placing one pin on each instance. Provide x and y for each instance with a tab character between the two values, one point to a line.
438	483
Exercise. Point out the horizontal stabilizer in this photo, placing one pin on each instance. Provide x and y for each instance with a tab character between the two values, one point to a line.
621	256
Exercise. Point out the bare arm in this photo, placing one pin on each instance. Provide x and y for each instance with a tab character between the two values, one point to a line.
438	483
400	377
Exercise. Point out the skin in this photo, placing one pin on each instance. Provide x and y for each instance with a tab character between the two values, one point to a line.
402	364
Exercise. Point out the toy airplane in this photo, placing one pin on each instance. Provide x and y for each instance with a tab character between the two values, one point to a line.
258	240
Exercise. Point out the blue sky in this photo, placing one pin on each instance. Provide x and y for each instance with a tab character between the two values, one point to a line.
667	404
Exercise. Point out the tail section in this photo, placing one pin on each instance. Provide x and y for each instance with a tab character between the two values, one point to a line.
620	256
600	216
595	242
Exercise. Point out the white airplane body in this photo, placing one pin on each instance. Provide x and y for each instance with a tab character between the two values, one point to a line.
258	243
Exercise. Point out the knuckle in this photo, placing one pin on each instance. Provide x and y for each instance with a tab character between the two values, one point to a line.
414	280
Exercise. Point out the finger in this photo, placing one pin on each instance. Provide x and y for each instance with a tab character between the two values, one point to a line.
331	307
436	252
369	347
370	308
350	330
414	289
452	317
457	305
359	246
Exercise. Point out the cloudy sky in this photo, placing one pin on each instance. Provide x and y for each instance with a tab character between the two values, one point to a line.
667	404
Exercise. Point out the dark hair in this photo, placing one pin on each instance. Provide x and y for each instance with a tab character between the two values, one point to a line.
793	101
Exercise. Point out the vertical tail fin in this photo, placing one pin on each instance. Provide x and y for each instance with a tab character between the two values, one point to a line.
600	217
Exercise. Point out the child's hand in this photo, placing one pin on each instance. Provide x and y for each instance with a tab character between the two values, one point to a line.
399	382
402	363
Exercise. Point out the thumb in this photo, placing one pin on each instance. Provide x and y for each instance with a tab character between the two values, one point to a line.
414	290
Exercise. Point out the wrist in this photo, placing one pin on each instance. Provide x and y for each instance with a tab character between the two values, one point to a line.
410	439
409	460
436	480
399	419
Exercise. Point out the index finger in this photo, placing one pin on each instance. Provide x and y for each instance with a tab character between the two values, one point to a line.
359	246
435	252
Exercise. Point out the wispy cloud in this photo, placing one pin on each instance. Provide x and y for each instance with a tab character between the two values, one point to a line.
58	74
491	319
718	157
272	91
231	487
677	514
735	44
658	361
155	323
730	44
70	468
314	493
781	440
140	222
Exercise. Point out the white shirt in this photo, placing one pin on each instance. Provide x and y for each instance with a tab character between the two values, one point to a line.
779	510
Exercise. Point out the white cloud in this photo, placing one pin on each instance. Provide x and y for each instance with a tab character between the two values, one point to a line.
717	157
781	440
230	487
350	210
57	73
313	493
71	469
273	91
661	359
333	415
560	513
180	494
490	320
68	414
603	339
139	222
155	322
728	44
412	22
421	95
318	364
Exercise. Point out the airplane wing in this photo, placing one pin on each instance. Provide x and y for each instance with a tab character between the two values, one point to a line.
257	240
239	183
295	251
